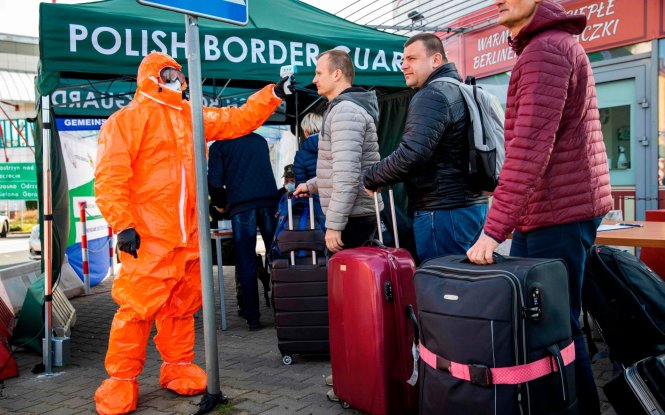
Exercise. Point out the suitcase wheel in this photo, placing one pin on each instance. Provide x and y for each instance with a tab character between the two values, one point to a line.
287	359
344	404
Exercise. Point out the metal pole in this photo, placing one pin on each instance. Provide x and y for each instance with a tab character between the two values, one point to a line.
220	273
378	216
47	232
394	216
84	247
207	286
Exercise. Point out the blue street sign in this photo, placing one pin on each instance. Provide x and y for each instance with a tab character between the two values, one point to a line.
230	11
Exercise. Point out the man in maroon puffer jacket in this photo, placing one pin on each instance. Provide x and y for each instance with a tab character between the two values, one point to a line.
554	187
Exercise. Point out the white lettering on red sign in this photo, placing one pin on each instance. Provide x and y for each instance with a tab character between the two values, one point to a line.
597	30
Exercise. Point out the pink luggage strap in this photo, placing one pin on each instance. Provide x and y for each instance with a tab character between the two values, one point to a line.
512	375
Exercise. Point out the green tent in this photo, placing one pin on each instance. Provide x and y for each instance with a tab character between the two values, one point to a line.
109	38
90	53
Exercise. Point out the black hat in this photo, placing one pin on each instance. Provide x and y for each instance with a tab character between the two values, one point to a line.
289	172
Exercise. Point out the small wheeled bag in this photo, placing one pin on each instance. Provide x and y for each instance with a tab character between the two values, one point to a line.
495	339
627	301
371	337
300	290
640	388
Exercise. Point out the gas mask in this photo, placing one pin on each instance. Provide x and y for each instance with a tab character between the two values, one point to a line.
290	186
174	85
172	78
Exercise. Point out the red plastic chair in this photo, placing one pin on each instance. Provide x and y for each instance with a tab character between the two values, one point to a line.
653	257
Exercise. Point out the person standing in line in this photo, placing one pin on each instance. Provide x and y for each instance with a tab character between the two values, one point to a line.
146	189
304	163
554	187
240	174
348	144
288	182
431	158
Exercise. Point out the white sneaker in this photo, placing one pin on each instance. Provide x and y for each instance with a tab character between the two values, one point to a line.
331	396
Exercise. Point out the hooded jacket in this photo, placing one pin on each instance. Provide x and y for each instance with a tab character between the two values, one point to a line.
304	163
145	174
556	167
432	156
348	144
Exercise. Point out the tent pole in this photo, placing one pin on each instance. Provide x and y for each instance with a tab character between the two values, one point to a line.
47	232
214	394
295	96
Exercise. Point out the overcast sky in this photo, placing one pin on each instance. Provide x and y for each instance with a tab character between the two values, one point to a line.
21	17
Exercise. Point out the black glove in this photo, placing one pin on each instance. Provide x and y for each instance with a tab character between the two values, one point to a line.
280	88
218	196
129	241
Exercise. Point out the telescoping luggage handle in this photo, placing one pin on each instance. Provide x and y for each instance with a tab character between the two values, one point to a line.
392	212
312	223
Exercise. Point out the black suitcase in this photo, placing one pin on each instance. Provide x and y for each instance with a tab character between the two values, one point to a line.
300	291
640	388
627	301
491	336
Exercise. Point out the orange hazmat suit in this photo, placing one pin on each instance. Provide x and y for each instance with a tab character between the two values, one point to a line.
145	180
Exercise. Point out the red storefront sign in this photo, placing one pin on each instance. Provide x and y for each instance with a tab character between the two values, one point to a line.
452	49
610	23
662	18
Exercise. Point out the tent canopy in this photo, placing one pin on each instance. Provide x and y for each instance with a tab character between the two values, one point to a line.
109	38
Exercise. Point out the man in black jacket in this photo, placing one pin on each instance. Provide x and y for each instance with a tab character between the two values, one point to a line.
432	157
240	180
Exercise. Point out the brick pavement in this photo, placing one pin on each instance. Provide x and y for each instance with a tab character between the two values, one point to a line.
251	372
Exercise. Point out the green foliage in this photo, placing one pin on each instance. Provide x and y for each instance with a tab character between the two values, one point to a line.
17	227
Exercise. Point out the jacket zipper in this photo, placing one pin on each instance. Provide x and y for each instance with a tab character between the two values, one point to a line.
183	191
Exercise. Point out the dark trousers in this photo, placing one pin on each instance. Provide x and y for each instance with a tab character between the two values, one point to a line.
358	230
244	238
570	242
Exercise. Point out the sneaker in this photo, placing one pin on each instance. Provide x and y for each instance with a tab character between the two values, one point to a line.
329	380
331	396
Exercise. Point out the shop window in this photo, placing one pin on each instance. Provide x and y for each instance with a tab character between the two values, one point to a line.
616	103
620	52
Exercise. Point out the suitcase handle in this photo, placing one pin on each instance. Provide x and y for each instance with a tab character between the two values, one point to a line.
392	212
312	225
411	315
498	259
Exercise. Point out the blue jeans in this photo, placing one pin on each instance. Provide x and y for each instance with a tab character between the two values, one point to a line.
570	242
447	232
244	238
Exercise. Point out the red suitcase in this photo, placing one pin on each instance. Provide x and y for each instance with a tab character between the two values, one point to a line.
371	337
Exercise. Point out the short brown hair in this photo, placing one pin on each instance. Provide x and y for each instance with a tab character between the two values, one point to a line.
432	44
339	59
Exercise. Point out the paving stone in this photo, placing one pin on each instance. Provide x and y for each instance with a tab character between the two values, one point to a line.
63	411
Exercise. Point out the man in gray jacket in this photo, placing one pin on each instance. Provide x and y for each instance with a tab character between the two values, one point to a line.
348	145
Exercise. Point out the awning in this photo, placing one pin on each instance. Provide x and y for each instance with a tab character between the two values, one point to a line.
17	86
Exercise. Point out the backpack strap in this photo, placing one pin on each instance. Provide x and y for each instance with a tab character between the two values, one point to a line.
473	166
471	80
510	375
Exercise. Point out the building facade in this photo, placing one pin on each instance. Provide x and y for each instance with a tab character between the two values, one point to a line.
19	57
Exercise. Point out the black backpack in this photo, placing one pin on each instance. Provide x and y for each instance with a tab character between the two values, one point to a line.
627	301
